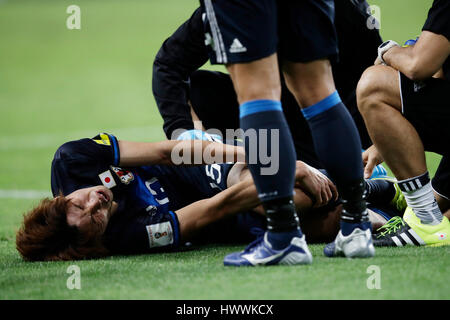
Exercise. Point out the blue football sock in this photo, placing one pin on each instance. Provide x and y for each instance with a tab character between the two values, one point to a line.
347	228
380	191
264	124
271	159
338	146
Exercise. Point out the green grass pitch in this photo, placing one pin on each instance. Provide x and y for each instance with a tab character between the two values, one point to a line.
58	84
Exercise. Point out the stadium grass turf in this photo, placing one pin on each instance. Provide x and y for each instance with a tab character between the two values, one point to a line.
58	85
407	273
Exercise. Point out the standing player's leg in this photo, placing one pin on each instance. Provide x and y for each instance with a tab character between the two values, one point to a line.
337	144
248	48
215	104
258	89
308	74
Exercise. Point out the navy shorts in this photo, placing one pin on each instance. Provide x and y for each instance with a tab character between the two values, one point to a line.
425	105
238	31
441	180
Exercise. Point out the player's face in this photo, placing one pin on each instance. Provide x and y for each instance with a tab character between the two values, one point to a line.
89	209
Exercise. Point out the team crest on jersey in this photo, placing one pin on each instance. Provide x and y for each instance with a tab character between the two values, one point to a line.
125	176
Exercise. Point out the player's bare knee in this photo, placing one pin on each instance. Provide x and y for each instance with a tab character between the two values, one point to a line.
370	89
258	91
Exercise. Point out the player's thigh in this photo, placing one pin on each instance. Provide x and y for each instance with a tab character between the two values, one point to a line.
257	79
308	42
425	106
310	82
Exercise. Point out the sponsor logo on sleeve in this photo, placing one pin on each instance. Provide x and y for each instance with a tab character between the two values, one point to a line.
104	139
160	234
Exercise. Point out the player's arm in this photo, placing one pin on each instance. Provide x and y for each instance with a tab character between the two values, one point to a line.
242	196
238	198
173	152
180	55
422	60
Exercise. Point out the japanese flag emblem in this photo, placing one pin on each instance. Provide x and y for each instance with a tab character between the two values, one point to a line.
107	179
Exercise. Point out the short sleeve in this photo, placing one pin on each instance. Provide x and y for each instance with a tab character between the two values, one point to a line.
76	164
438	20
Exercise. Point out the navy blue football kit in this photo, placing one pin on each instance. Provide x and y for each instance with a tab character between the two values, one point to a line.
147	195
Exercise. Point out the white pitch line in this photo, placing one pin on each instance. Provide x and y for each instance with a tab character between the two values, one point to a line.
24	194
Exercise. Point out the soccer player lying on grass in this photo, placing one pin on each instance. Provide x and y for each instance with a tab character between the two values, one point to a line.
404	103
149	205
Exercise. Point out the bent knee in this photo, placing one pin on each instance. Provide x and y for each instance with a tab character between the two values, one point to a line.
375	84
371	81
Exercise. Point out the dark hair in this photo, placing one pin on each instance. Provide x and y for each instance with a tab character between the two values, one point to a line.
46	236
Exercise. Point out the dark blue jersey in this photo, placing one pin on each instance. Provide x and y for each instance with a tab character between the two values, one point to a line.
438	21
147	196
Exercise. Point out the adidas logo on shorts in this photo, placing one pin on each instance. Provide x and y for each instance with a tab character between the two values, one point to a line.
237	47
419	86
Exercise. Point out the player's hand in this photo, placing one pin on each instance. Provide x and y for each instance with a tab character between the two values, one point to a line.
199	135
378	62
383	48
316	184
371	158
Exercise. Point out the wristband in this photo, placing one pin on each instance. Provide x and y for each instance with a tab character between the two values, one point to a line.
384	47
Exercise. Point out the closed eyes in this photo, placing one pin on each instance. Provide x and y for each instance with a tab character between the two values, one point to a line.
78	206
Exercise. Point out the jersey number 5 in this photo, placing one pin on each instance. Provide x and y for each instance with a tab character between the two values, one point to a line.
213	171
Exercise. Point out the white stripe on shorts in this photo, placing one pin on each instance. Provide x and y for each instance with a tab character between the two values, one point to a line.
219	47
